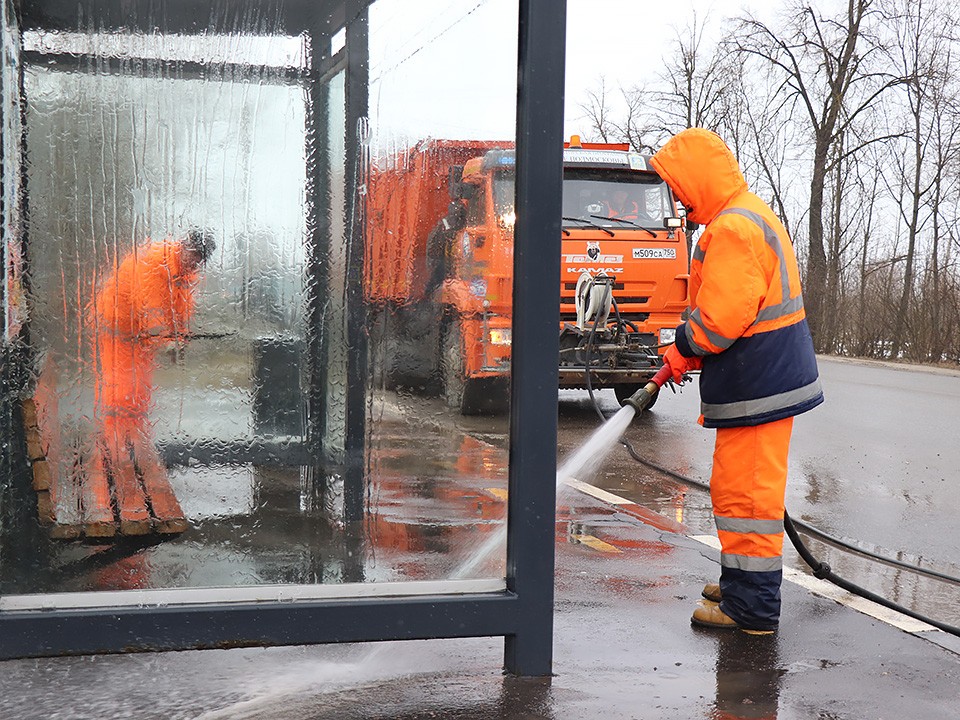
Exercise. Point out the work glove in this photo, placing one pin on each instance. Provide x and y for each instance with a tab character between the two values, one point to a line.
680	365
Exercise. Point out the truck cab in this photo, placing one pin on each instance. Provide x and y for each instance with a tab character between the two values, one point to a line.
621	230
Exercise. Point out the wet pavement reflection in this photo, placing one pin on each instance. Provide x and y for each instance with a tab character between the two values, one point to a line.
624	647
434	494
748	677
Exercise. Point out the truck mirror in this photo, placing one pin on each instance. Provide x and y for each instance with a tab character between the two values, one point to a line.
692	227
672	223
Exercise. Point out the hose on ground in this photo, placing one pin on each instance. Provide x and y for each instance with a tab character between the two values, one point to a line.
820	569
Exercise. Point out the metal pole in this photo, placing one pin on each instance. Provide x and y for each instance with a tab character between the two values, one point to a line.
534	372
318	237
357	148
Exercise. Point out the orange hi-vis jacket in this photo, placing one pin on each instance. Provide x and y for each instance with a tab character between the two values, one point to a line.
630	211
747	320
147	301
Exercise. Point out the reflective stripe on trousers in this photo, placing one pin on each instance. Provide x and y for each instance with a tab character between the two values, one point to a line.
747	487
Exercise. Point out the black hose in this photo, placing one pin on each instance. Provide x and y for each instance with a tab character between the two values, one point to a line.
586	368
616	312
843	545
820	569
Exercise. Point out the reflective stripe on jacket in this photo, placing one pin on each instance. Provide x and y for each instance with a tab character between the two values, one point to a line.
747	319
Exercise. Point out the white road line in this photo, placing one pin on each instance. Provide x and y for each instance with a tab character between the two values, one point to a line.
596	492
832	592
814	585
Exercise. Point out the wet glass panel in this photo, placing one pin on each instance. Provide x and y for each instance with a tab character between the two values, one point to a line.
439	282
209	261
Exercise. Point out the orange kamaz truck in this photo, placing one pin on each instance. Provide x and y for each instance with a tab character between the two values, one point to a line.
439	247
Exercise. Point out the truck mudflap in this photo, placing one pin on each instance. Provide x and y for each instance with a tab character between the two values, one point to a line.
614	358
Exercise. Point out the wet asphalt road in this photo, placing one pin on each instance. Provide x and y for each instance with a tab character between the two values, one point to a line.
623	649
878	465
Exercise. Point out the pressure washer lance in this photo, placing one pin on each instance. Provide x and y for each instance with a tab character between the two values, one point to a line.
642	398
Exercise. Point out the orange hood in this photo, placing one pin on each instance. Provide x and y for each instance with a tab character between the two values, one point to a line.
701	171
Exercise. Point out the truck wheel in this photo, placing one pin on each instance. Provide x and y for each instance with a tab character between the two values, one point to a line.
452	366
471	396
624	391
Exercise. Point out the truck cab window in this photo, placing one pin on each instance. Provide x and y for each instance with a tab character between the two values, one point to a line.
640	197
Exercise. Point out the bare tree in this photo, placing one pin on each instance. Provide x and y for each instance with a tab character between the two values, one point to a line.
692	86
938	323
596	111
923	58
861	107
635	128
828	65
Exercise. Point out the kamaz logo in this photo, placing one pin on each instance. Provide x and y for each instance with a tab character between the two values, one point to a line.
596	270
583	259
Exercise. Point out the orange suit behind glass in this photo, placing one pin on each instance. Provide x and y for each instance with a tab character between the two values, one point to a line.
146	303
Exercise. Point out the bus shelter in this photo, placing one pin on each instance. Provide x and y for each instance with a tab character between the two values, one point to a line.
203	443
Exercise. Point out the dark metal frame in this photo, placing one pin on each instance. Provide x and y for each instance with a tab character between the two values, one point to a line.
523	613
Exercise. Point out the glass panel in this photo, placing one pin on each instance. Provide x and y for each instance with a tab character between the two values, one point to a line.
439	280
205	386
594	195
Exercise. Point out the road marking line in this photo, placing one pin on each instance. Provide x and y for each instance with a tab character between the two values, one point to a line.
711	540
596	492
596	543
641	513
832	592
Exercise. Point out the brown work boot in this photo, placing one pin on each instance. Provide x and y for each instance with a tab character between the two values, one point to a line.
711	616
711	591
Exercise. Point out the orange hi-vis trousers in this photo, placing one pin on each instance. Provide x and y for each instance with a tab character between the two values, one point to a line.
747	487
124	385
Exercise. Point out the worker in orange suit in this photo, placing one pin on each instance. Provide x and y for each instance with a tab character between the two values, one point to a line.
622	206
747	333
144	305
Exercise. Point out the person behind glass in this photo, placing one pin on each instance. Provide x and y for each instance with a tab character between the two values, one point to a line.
620	205
144	305
747	333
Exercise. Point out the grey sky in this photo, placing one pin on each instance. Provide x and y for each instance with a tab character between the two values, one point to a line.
624	42
447	68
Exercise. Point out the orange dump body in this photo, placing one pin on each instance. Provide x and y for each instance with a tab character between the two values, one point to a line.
407	196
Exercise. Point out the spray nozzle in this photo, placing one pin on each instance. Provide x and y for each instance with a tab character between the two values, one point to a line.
642	398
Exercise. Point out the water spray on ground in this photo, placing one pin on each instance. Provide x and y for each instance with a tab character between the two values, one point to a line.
579	466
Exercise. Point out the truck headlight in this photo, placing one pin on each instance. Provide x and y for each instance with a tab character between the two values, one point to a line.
501	336
667	335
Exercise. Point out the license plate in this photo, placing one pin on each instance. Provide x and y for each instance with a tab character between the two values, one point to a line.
654	253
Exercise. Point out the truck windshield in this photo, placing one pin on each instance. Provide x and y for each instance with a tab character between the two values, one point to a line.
610	197
605	197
